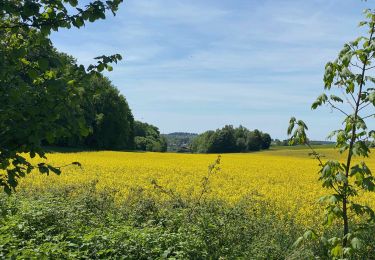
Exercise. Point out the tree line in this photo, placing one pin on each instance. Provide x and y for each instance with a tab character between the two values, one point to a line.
229	139
82	109
148	138
42	92
106	118
46	98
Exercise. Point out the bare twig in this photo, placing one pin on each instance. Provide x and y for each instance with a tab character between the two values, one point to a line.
318	157
347	99
351	94
360	108
368	116
355	65
339	109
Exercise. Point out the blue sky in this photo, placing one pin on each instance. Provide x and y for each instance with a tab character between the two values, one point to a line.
197	65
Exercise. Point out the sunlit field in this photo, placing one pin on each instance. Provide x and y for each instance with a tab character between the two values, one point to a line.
285	178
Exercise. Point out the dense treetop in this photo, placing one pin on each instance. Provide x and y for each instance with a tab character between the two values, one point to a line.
41	97
108	117
148	138
230	139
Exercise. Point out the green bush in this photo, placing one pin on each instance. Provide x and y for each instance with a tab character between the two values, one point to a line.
92	225
81	222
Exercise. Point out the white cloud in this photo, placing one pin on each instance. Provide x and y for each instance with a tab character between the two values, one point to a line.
261	59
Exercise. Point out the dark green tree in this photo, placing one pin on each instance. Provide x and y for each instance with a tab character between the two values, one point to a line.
112	123
38	100
266	141
240	135
229	140
254	140
201	142
148	138
223	141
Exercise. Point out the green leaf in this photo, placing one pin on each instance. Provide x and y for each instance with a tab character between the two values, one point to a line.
324	241
73	3
356	243
30	9
292	122
79	22
100	67
43	168
350	88
33	74
336	99
298	242
371	97
319	101
71	82
337	251
333	199
309	234
54	170
341	178
368	184
43	64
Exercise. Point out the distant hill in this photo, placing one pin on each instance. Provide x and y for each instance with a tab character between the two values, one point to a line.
179	141
277	142
321	142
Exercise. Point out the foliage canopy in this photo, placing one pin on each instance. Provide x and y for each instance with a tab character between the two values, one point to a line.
39	99
147	138
230	139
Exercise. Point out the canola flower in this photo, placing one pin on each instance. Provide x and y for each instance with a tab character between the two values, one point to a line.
285	178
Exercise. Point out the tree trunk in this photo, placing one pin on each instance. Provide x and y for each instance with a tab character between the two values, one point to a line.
353	138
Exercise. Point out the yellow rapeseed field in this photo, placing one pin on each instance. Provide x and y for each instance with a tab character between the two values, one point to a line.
287	178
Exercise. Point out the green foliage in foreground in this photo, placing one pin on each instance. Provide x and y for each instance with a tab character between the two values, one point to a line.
90	225
231	140
60	224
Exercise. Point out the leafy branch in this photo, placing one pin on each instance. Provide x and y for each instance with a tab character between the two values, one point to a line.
345	179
